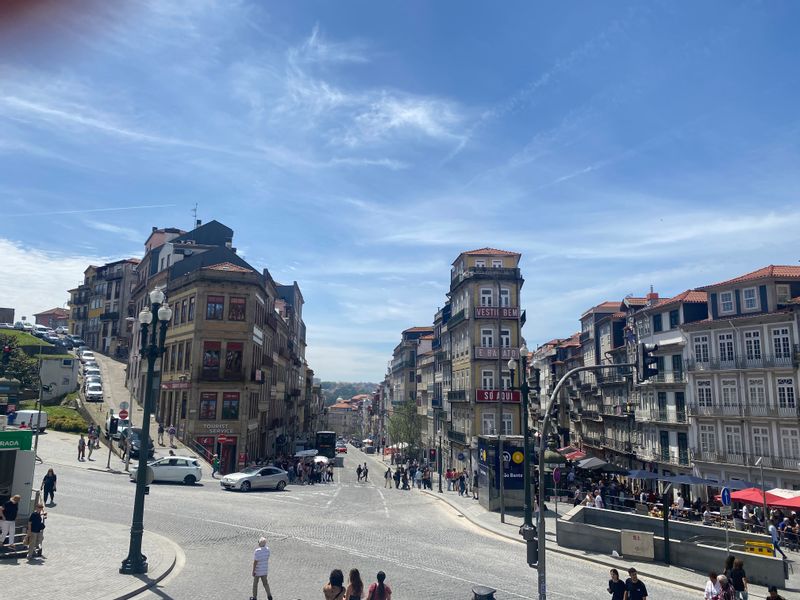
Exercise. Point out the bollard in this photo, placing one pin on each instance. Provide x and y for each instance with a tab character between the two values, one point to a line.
481	592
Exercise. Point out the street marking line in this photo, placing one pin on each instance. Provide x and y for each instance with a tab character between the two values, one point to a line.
336	493
383	499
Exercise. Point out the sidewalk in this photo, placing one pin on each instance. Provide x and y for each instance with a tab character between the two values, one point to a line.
490	521
77	564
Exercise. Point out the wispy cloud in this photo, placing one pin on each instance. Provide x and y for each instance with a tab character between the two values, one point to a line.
127	233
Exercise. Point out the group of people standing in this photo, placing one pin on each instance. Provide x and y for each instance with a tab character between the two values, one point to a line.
170	431
90	442
336	590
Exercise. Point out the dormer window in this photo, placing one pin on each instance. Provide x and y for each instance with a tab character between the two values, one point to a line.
497	264
783	293
726	302
750	299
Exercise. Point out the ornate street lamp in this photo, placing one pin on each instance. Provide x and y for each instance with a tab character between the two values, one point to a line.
151	349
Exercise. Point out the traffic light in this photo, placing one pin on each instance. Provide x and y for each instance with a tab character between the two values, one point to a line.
647	361
530	536
113	425
432	456
6	354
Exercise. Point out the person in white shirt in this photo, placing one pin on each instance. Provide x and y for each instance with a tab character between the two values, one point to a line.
643	497
261	568
712	587
589	499
680	501
598	500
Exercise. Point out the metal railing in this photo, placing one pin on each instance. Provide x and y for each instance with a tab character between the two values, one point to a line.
744	361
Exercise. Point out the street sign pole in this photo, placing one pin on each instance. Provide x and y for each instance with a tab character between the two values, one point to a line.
556	479
725	510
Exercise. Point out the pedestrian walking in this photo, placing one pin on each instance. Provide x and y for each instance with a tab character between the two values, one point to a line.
49	486
712	587
35	534
8	520
355	587
160	433
634	587
358	471
261	568
380	590
81	448
616	587
90	445
728	566
462	484
387	478
171	432
365	471
726	591
398	473
776	541
475	486
405	480
334	589
214	466
738	579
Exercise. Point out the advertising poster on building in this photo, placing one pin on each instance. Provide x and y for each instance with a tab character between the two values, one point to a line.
489	465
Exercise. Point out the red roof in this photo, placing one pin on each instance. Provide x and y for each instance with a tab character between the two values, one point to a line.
228	266
61	312
490	252
779	271
413	329
689	296
634	301
427	337
619	315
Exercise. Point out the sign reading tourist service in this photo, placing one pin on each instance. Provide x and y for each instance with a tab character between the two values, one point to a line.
16	440
497	395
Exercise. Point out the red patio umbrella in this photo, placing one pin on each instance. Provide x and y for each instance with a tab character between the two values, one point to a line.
755	496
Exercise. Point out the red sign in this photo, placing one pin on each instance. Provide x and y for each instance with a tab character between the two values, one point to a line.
222	439
242	457
123	414
493	312
497	395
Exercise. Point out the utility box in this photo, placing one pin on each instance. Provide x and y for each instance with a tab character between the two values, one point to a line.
637	544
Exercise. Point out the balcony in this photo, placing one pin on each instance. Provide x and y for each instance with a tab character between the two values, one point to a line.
283	352
225	377
272	321
456	319
109	316
617	410
493	353
612	379
771	411
617	445
715	410
585	336
591	415
743	362
494	273
295	392
457	395
670	377
655	415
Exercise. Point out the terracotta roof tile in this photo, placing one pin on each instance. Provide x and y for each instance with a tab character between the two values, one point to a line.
228	266
635	301
414	329
687	297
490	252
619	315
427	337
780	271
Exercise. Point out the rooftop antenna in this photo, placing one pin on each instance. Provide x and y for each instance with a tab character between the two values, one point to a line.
194	213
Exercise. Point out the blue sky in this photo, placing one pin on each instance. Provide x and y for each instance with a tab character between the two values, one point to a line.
358	147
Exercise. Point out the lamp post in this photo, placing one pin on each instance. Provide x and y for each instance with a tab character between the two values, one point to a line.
151	349
760	465
439	456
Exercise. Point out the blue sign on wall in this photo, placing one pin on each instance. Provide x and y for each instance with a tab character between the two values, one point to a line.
488	461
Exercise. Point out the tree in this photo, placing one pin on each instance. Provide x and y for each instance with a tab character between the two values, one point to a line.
21	366
405	426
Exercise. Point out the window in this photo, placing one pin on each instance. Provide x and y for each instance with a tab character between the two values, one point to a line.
487	338
733	439
505	297
237	308
184	306
657	326
781	344
480	263
701	348
497	263
230	405
233	359
487	424
790	442
643	327
505	338
677	367
208	406
506	380
708	439
704	397
190	312
187	362
215	308
660	366
674	319
783	293
729	396
411	377
752	345
757	393
761	441
508	423
179	361
486	297
725	347
211	355
750	299
184	399
487	380
726	302
786	398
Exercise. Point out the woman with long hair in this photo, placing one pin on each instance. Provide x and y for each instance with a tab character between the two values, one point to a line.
380	590
49	486
334	589
355	588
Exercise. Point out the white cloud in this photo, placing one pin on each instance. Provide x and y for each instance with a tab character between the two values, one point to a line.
127	233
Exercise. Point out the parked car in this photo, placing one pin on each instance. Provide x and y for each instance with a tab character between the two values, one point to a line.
91	379
91	371
62	330
254	478
180	469
6	326
94	392
77	341
51	338
133	436
65	343
87	356
23	326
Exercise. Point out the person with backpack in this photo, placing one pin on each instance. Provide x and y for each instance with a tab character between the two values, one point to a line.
380	590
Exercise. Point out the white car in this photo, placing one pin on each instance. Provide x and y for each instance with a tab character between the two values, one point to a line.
253	478
94	392
90	371
87	356
62	330
179	469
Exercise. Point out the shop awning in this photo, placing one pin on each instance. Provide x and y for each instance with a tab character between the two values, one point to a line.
576	455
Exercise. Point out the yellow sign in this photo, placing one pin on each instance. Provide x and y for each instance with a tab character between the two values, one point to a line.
517	457
756	547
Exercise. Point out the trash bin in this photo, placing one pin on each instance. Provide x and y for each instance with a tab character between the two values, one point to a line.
481	592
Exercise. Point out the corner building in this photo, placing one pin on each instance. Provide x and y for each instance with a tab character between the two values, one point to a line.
484	333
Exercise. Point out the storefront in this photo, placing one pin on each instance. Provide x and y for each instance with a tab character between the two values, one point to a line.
17	462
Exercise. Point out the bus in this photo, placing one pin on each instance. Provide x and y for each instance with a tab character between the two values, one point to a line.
326	444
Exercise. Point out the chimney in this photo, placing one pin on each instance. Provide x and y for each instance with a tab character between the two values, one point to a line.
154	229
652	296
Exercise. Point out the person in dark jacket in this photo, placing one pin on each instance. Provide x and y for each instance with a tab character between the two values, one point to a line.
616	587
49	486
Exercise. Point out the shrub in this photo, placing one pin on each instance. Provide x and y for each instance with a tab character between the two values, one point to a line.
69	423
